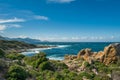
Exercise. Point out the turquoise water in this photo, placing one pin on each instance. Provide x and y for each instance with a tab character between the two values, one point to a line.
67	48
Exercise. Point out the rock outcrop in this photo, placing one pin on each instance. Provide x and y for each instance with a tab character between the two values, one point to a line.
110	54
85	54
70	57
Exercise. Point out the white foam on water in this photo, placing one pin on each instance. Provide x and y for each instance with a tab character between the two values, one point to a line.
28	53
41	49
55	58
37	50
62	46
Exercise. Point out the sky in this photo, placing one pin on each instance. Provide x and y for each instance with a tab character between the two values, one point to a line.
61	20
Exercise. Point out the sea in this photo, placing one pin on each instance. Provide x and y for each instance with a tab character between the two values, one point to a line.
64	48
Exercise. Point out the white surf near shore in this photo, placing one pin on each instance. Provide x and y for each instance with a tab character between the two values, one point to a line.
55	58
37	50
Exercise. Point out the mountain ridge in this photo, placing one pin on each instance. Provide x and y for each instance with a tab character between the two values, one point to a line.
26	40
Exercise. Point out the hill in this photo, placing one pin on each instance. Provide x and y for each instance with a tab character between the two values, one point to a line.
26	40
15	46
87	65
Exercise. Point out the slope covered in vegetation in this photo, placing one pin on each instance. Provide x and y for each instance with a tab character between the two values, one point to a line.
14	66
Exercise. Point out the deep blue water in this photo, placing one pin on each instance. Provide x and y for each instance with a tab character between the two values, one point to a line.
69	48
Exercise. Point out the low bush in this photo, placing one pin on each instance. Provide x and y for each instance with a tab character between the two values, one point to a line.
16	72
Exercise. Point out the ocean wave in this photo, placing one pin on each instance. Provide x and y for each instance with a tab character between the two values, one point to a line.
55	58
42	49
28	53
63	46
37	50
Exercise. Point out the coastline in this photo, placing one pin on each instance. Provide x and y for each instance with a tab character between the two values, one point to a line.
57	51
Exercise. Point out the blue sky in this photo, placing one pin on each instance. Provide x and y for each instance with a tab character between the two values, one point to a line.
61	20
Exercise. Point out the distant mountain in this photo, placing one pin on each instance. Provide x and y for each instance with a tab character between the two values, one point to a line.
26	40
2	38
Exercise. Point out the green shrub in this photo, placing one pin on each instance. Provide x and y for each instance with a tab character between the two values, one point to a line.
86	64
2	53
15	56
58	65
58	76
39	61
36	60
45	66
87	75
3	65
97	77
39	78
72	75
16	72
102	67
45	75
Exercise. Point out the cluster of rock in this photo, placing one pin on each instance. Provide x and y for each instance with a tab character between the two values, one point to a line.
110	54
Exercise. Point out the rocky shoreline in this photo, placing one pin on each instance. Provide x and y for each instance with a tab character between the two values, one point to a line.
109	56
18	47
86	65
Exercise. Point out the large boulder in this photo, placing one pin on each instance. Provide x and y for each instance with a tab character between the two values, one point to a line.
110	54
85	54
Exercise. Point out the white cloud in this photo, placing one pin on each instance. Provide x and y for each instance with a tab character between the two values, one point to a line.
83	38
61	1
2	27
75	38
94	38
4	23
11	20
80	38
40	17
64	38
5	26
101	38
14	25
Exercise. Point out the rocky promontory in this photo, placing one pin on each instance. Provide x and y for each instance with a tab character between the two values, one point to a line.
110	54
104	64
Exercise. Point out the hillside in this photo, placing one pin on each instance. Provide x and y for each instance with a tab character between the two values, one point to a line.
85	66
15	45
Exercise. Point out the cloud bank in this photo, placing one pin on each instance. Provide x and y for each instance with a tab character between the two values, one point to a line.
11	20
4	23
6	26
38	17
